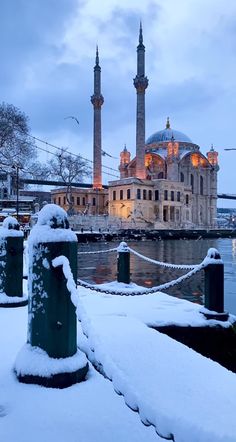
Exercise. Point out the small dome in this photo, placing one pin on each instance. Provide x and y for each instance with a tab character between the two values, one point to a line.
168	135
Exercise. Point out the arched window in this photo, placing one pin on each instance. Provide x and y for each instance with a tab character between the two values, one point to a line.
150	195
160	175
181	177
201	185
192	182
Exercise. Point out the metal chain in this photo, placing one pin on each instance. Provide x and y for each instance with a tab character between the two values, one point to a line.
163	264
142	292
145	258
98	251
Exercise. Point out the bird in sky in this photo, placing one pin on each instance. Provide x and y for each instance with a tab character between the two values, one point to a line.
105	154
73	118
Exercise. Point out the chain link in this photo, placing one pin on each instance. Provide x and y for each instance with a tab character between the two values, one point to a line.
143	291
163	264
145	258
98	251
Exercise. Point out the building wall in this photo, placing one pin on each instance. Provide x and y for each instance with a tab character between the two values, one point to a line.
83	201
161	203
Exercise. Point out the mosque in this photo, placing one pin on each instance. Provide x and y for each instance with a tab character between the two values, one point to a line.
169	183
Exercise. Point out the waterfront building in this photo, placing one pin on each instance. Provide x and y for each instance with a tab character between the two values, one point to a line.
169	183
83	201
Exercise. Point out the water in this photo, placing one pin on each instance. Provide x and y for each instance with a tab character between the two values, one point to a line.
100	268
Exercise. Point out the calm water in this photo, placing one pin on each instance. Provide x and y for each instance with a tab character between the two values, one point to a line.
100	268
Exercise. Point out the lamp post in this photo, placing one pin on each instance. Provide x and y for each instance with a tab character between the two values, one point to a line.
16	167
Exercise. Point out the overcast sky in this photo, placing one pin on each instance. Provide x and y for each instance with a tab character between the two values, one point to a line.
48	50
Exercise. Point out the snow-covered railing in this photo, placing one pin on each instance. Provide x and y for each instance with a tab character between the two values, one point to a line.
123	246
88	330
98	251
143	291
163	264
214	281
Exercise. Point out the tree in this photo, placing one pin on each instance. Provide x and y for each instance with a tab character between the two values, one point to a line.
16	145
69	169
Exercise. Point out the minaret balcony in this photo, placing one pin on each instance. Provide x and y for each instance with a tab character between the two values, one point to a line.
97	101
140	83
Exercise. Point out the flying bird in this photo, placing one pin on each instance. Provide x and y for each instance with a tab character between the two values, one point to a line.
73	118
104	154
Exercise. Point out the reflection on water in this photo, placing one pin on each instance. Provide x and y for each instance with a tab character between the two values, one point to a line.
100	268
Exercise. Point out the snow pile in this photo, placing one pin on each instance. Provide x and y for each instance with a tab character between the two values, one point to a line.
4	299
36	362
10	228
52	226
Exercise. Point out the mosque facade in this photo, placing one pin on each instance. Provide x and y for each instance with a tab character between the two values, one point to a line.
170	183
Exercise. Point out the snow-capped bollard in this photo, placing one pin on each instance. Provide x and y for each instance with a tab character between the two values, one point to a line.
11	264
123	263
50	357
214	286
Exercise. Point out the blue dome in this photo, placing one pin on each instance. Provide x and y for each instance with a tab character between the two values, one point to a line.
166	135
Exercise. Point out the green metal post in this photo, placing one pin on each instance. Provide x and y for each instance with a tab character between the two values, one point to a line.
123	263
52	316
11	264
214	286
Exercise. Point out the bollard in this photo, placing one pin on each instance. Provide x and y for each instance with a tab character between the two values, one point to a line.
214	286
52	325
11	264
123	263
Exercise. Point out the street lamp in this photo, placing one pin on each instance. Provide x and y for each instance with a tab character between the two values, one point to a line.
17	167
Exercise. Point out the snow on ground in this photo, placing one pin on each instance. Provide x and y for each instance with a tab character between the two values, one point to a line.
179	391
154	309
87	412
172	386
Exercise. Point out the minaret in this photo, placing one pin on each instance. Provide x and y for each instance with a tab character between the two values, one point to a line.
97	100
140	83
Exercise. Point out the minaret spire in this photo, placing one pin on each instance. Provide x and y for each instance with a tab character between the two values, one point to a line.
97	101
97	57
140	83
140	34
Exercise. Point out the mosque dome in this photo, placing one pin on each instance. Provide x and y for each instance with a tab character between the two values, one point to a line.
168	134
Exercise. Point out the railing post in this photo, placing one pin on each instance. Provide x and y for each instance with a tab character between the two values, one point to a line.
214	286
123	263
52	316
11	264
